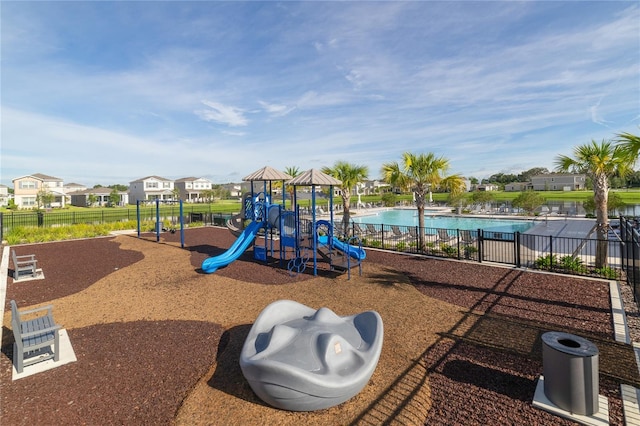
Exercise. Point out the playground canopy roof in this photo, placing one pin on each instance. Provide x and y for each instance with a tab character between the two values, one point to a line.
266	174
314	177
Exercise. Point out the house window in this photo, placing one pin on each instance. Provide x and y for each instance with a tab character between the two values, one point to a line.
29	201
166	184
28	184
151	184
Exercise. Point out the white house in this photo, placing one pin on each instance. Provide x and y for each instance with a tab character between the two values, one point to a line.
191	189
150	188
73	187
4	195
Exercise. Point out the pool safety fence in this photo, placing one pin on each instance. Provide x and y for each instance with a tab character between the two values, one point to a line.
192	214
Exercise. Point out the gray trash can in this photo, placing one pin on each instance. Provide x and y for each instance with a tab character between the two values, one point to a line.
570	370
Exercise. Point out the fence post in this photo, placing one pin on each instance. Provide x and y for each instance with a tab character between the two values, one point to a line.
550	252
1	226
480	245
517	249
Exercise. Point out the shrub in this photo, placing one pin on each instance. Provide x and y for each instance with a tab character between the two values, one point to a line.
607	272
450	251
573	264
546	262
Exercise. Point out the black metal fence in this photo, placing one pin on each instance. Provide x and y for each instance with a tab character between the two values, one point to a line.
558	254
191	213
630	235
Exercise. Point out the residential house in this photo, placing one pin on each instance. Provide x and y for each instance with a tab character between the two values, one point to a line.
27	188
73	187
100	196
4	195
237	189
191	189
151	188
558	182
517	186
487	187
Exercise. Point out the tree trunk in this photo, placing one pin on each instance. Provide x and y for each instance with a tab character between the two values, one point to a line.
601	196
420	206
346	213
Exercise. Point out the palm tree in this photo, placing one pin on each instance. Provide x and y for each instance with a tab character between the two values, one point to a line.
292	171
422	173
350	175
600	161
630	145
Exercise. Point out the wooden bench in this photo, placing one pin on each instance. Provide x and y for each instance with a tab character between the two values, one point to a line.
24	265
33	336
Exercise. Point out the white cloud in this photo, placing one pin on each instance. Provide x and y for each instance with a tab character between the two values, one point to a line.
224	114
276	110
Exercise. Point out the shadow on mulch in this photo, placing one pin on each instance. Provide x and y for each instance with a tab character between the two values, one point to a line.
132	373
228	376
69	267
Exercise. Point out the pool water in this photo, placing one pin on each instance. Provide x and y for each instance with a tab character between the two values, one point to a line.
410	218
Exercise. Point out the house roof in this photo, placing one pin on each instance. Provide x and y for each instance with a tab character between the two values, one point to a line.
266	174
40	176
546	175
46	177
314	177
151	177
191	179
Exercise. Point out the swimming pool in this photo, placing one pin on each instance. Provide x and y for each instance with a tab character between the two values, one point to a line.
407	217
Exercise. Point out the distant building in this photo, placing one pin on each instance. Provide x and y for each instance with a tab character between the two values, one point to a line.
191	189
26	189
4	195
517	186
100	196
73	187
558	182
150	188
487	187
237	189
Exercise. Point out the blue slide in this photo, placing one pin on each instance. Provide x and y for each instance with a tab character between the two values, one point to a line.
243	242
353	251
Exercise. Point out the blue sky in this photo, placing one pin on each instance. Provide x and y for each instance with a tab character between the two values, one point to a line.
108	92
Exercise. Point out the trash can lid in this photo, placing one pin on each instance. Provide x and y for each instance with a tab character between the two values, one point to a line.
570	343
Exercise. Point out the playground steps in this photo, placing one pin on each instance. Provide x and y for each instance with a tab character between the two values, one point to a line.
337	259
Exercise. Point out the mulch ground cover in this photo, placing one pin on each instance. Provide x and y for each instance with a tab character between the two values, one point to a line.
157	341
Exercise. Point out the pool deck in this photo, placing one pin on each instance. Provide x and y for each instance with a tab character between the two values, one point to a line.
555	226
563	227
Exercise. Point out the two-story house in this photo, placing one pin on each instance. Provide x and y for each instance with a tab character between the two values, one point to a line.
558	182
151	188
191	189
26	190
73	187
4	195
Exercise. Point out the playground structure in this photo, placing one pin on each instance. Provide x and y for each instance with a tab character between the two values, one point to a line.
302	240
158	223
